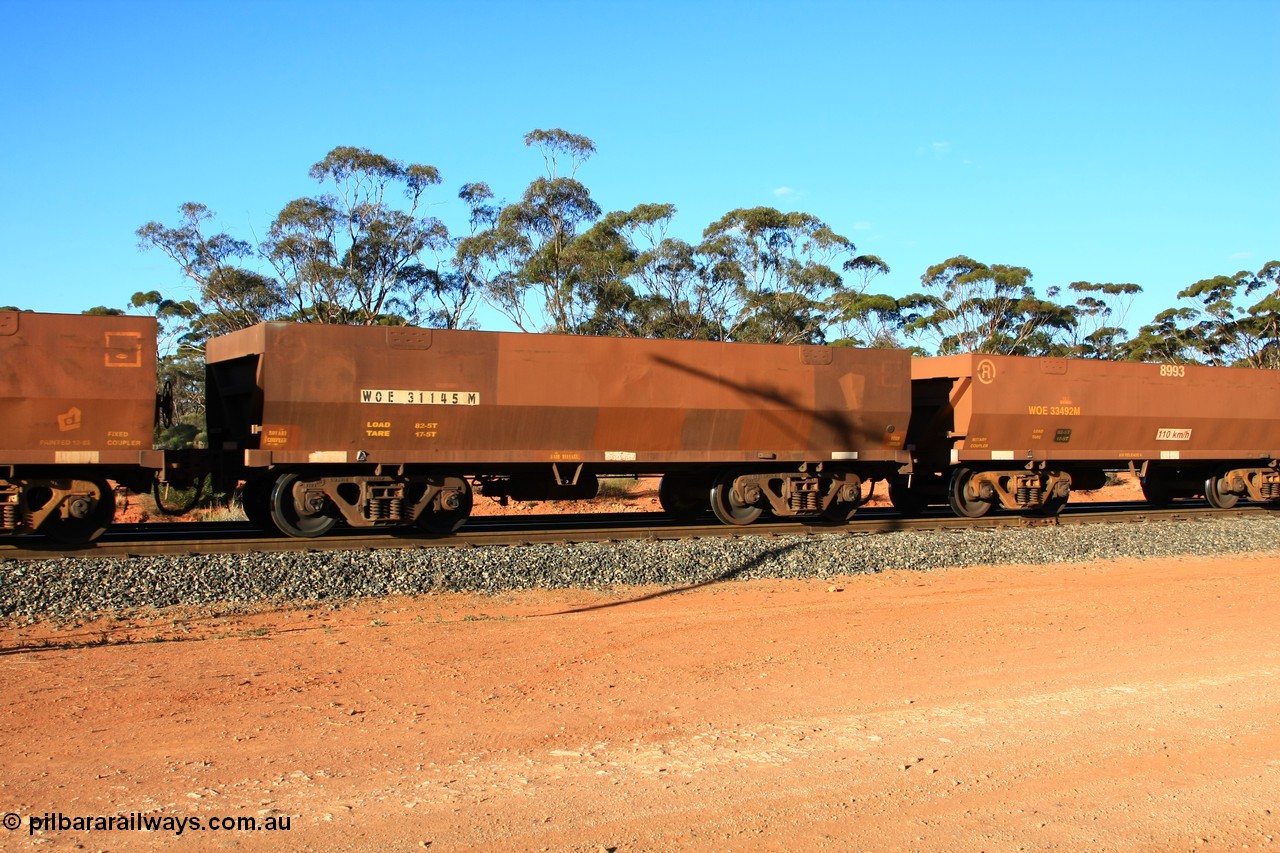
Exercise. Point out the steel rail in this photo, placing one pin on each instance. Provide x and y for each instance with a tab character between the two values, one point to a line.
180	539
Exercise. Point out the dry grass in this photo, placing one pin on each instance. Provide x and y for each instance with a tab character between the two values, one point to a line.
617	487
142	508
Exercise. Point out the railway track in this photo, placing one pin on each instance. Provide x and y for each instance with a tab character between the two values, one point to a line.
177	539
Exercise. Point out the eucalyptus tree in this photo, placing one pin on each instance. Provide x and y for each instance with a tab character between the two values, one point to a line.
678	300
1101	311
232	294
1170	337
1240	318
604	260
864	318
350	255
645	283
174	318
775	273
976	307
445	294
530	273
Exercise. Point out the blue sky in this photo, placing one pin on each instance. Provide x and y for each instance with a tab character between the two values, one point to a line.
1098	141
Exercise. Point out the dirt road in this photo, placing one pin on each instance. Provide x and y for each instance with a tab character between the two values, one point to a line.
1127	706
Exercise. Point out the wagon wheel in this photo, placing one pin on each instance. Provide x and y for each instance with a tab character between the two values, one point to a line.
1216	496
961	503
443	521
87	517
905	499
287	517
682	496
727	508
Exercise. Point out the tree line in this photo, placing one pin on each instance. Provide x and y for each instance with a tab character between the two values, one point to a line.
364	250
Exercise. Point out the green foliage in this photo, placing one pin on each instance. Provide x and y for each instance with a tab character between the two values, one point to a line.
1236	323
444	294
556	143
1234	329
867	319
232	296
179	436
181	381
349	255
199	497
777	275
974	307
176	320
1167	338
643	283
1100	312
525	259
363	250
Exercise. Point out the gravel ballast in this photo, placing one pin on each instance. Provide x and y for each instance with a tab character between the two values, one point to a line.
79	587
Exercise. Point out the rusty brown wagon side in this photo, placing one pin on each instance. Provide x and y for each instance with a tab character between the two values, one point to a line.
77	408
1022	432
392	425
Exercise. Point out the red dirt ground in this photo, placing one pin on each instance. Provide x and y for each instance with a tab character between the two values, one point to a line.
1118	706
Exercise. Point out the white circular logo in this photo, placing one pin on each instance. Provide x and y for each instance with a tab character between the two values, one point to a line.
986	371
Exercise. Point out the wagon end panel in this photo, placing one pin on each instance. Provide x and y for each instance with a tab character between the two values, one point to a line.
76	389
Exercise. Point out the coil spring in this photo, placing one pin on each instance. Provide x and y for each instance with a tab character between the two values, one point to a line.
803	501
1271	489
385	509
1030	495
9	517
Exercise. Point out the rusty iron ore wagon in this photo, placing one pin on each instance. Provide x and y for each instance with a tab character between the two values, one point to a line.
77	409
387	426
1021	432
395	427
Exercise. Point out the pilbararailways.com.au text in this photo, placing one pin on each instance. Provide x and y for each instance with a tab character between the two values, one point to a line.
139	822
